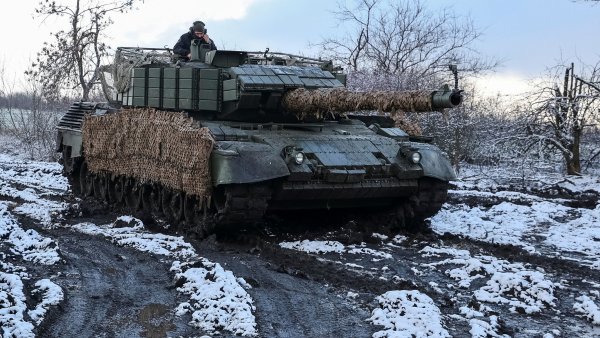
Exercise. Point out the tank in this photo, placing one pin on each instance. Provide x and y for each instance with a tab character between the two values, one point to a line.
230	136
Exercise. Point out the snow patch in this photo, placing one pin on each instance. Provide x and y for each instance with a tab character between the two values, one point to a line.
13	307
407	314
524	291
138	238
588	309
217	301
563	229
33	174
317	247
579	235
322	247
509	283
483	329
27	243
51	293
504	223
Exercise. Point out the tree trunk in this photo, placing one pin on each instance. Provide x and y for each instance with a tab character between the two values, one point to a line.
574	163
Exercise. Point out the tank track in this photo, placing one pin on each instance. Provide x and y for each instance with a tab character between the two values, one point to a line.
411	213
432	195
228	205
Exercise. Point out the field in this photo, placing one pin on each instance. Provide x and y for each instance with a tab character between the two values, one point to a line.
504	258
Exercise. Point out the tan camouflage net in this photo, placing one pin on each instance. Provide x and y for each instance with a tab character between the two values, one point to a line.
150	145
316	103
304	102
410	126
128	58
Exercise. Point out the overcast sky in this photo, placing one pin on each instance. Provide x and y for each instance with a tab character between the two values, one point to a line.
528	35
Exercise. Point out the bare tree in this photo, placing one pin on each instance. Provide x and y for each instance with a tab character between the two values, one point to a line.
72	62
27	119
403	38
560	115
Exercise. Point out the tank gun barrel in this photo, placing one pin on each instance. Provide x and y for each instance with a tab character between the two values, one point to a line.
340	100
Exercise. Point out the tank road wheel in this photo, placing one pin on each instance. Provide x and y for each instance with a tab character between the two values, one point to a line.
199	220
172	205
116	190
133	194
154	198
426	203
86	180
150	193
165	202
177	201
432	195
191	210
100	187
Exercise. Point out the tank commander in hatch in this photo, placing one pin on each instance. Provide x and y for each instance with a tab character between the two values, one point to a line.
197	32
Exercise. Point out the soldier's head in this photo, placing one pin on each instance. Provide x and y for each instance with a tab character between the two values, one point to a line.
198	28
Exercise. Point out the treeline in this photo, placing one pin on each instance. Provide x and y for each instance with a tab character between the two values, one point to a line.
26	101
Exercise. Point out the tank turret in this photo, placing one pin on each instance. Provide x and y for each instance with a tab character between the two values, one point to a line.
230	136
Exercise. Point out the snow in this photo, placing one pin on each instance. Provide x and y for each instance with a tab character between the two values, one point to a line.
588	309
13	307
52	294
579	235
35	180
323	247
493	178
27	243
483	329
139	238
33	174
523	289
217	301
563	229
314	246
503	224
407	314
361	250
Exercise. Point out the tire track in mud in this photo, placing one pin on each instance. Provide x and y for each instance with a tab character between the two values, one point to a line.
289	301
112	291
373	280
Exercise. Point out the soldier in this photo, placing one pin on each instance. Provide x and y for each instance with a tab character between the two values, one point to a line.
197	32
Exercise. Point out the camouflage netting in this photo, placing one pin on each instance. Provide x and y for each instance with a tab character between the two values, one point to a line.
410	126
127	59
303	102
338	100
150	145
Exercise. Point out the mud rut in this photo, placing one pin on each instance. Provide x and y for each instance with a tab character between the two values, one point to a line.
112	291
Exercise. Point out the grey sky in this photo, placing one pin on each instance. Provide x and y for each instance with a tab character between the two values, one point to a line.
529	35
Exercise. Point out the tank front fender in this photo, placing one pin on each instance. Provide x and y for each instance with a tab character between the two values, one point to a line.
435	164
245	162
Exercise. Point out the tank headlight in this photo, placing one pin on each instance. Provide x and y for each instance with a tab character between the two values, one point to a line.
299	157
415	157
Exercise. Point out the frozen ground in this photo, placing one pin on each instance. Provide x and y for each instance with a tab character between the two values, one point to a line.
503	259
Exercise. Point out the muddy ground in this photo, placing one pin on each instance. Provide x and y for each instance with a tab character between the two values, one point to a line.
116	291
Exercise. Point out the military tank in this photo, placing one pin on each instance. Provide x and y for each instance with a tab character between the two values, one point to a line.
230	136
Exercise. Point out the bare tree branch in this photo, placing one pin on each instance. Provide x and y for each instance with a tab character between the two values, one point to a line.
71	61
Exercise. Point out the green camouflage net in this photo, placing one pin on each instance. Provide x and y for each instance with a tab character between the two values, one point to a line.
151	146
